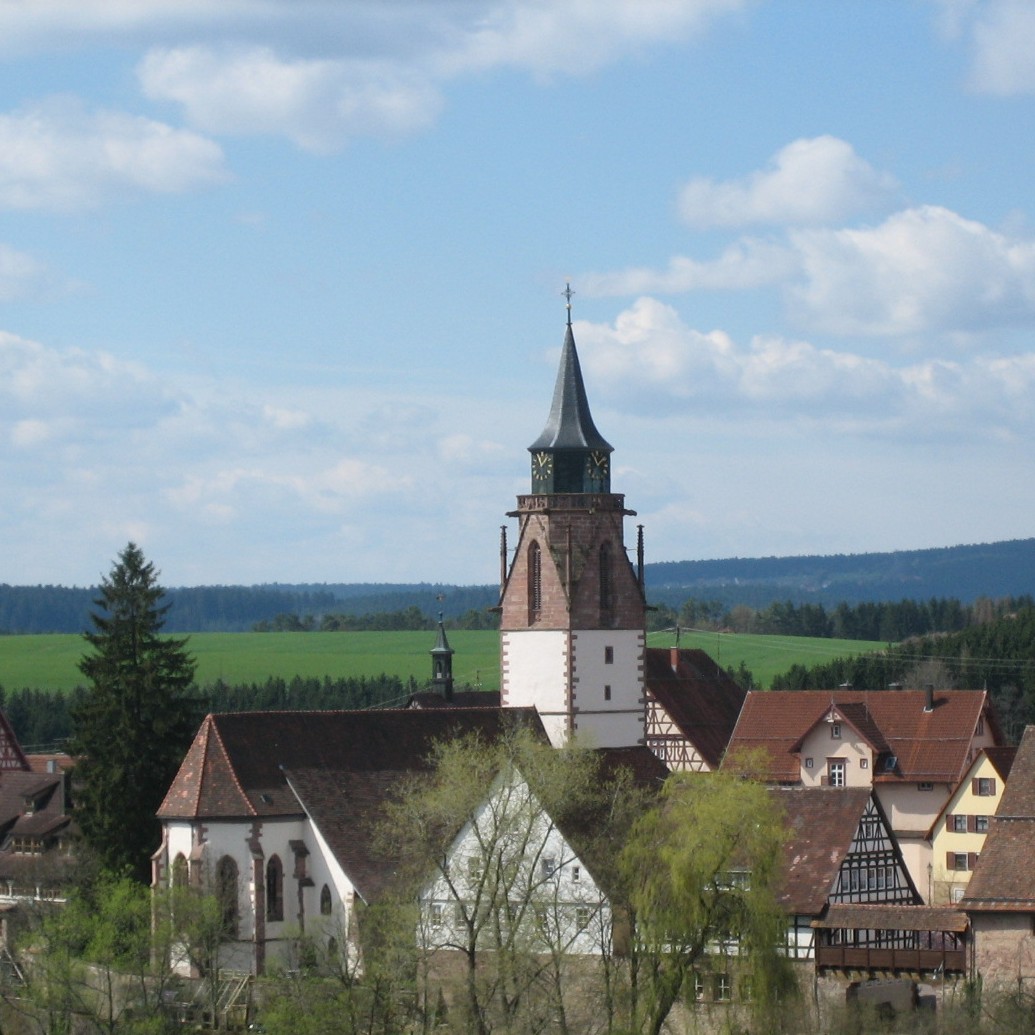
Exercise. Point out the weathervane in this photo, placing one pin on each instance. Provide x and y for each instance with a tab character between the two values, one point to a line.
567	292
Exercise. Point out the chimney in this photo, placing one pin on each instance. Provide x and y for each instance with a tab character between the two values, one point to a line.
673	658
929	697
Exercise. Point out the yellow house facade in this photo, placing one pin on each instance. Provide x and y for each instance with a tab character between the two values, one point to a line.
958	834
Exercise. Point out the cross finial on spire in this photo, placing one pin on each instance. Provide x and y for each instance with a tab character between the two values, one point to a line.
567	292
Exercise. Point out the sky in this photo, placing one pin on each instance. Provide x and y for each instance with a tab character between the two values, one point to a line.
281	280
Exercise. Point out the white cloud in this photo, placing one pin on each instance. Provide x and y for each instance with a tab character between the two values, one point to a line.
576	36
747	263
652	362
923	269
58	155
1001	38
316	103
39	384
810	181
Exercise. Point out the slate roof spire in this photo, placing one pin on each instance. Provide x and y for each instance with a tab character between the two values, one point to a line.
570	455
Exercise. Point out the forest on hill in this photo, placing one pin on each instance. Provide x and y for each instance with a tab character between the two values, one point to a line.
997	656
963	573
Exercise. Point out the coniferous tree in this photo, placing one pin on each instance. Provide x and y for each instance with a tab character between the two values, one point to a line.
136	721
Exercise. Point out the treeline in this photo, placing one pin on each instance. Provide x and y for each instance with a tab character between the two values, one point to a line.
997	655
889	622
412	619
999	569
42	719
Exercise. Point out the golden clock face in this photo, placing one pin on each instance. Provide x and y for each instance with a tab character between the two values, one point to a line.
542	465
598	465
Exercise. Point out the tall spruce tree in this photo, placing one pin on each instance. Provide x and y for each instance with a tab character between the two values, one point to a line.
132	729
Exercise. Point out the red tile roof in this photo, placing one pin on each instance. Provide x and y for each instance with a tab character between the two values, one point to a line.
821	823
700	697
236	764
1004	879
928	745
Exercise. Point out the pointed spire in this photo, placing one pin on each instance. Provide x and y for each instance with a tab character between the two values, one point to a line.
570	424
442	662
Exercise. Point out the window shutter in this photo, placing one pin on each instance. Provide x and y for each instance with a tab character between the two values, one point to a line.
971	824
991	786
971	860
974	785
950	860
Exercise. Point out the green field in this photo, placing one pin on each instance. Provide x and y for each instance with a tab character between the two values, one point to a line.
49	662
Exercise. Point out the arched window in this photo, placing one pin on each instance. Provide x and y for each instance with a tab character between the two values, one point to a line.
179	871
535	581
606	601
274	889
226	893
325	901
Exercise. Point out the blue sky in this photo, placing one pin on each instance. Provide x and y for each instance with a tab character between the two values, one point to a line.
280	280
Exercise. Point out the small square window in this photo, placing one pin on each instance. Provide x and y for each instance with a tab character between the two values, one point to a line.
985	786
925	785
835	730
808	763
609	655
576	874
582	917
607	692
959	824
959	860
981	824
864	763
436	914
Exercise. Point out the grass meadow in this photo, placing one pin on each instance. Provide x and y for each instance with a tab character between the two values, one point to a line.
50	662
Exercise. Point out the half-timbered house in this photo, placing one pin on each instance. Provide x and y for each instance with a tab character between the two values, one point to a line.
692	708
839	849
911	746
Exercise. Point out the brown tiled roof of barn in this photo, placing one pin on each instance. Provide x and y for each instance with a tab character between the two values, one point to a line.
821	823
929	745
1004	879
700	697
237	762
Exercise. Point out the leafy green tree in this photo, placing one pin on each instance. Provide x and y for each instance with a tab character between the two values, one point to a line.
501	917
701	868
136	721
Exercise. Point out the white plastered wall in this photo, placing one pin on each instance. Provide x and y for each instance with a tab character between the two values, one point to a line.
608	694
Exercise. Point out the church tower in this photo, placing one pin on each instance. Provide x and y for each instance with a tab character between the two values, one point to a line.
572	627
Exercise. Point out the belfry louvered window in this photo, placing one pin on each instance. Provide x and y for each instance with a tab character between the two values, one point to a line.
535	581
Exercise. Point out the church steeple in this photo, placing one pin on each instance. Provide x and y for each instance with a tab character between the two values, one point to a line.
572	609
570	456
442	663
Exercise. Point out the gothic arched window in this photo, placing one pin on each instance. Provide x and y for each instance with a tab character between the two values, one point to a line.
274	889
325	901
179	871
535	581
226	894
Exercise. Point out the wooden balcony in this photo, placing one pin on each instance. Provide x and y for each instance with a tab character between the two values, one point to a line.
845	957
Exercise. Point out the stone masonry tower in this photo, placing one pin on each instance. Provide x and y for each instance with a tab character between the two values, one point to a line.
572	629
